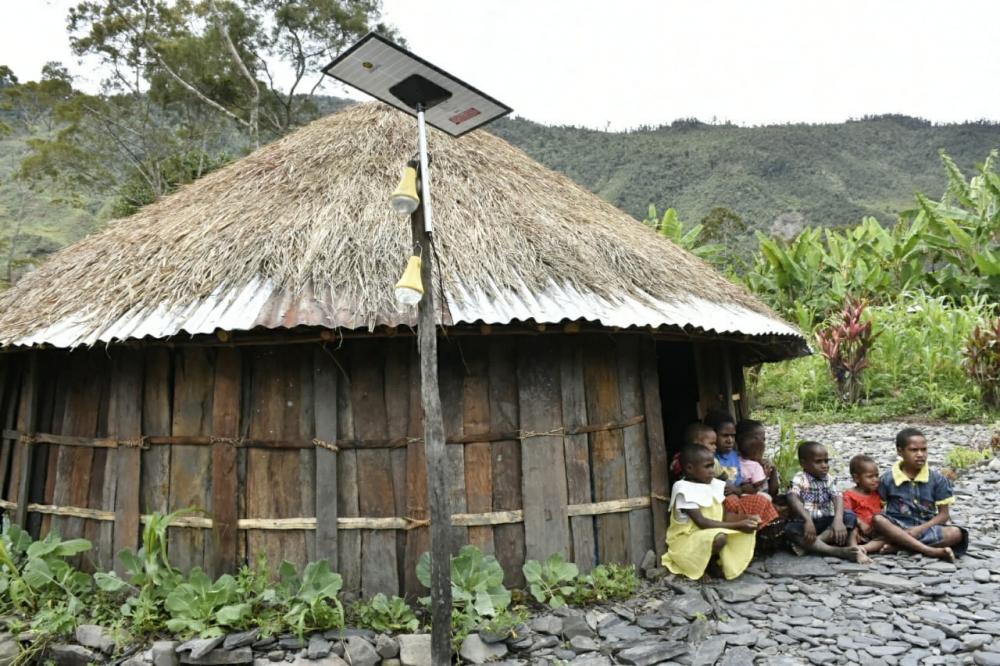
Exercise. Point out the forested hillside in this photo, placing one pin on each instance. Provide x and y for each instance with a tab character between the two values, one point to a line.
831	174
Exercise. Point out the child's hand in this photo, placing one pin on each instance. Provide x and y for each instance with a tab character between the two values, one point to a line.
809	532
748	524
747	488
839	532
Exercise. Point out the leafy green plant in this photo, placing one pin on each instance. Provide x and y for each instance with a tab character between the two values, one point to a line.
604	582
982	361
962	457
476	582
204	608
551	582
786	455
845	344
311	600
386	614
691	239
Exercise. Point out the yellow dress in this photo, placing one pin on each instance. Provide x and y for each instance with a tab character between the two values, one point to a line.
689	549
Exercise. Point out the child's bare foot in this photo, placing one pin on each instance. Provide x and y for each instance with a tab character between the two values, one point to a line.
888	549
946	554
850	553
862	557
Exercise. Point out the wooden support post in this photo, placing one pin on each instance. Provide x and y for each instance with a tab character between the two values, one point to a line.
325	408
220	554
26	424
436	456
659	482
126	424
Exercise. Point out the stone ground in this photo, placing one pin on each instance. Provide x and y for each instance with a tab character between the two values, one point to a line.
901	610
786	610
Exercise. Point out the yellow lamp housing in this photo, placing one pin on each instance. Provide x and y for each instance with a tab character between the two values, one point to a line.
405	200
410	288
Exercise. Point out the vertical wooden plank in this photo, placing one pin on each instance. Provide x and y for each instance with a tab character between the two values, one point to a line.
156	418
325	409
451	373
478	455
190	466
307	457
273	475
577	452
40	459
607	448
60	379
375	493
73	466
418	540
656	443
103	481
706	361
348	541
220	549
726	370
397	408
636	453
6	389
126	424
543	462
26	424
506	464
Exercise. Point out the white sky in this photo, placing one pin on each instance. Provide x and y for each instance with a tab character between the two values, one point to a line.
624	63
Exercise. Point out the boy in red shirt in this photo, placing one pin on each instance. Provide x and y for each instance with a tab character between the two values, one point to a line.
863	499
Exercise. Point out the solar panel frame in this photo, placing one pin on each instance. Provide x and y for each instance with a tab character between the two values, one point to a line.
466	110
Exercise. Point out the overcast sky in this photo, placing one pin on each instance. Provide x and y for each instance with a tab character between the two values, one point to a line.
625	63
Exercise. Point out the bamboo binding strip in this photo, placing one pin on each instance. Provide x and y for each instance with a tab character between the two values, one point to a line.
348	523
240	442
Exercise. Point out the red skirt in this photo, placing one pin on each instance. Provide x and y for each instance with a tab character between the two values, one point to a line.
751	505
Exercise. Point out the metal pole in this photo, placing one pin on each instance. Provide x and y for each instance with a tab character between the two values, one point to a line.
425	175
434	446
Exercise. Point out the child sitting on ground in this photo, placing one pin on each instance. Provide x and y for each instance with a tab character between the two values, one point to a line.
700	531
742	494
751	442
917	501
697	434
864	502
819	523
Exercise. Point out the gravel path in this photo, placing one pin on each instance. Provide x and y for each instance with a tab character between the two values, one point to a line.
785	610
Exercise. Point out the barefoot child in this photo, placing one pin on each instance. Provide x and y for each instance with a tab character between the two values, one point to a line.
742	493
917	501
699	530
818	522
864	501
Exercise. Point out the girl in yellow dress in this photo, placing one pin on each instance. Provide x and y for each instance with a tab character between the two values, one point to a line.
699	530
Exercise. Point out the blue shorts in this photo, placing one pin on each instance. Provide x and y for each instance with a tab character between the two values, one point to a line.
934	536
797	528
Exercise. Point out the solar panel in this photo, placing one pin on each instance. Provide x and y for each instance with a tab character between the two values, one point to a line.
397	77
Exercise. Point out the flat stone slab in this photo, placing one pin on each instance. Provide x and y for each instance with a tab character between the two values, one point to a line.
791	566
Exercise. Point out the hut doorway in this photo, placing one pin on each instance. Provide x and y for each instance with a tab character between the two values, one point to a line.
679	393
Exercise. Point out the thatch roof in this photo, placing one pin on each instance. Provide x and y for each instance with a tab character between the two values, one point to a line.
300	233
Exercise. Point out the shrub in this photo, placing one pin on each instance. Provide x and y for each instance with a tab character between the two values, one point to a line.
786	455
606	581
961	457
845	344
982	361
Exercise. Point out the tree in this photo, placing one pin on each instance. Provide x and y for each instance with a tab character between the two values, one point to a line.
219	56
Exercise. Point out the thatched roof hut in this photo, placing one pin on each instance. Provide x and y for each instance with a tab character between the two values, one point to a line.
250	343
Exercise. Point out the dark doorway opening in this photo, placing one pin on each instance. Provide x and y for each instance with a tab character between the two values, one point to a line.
678	392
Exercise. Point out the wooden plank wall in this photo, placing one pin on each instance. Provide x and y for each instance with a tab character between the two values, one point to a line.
354	390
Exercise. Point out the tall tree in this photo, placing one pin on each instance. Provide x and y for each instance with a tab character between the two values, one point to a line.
225	57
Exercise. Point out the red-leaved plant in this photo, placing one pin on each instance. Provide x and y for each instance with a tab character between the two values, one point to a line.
982	361
845	343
